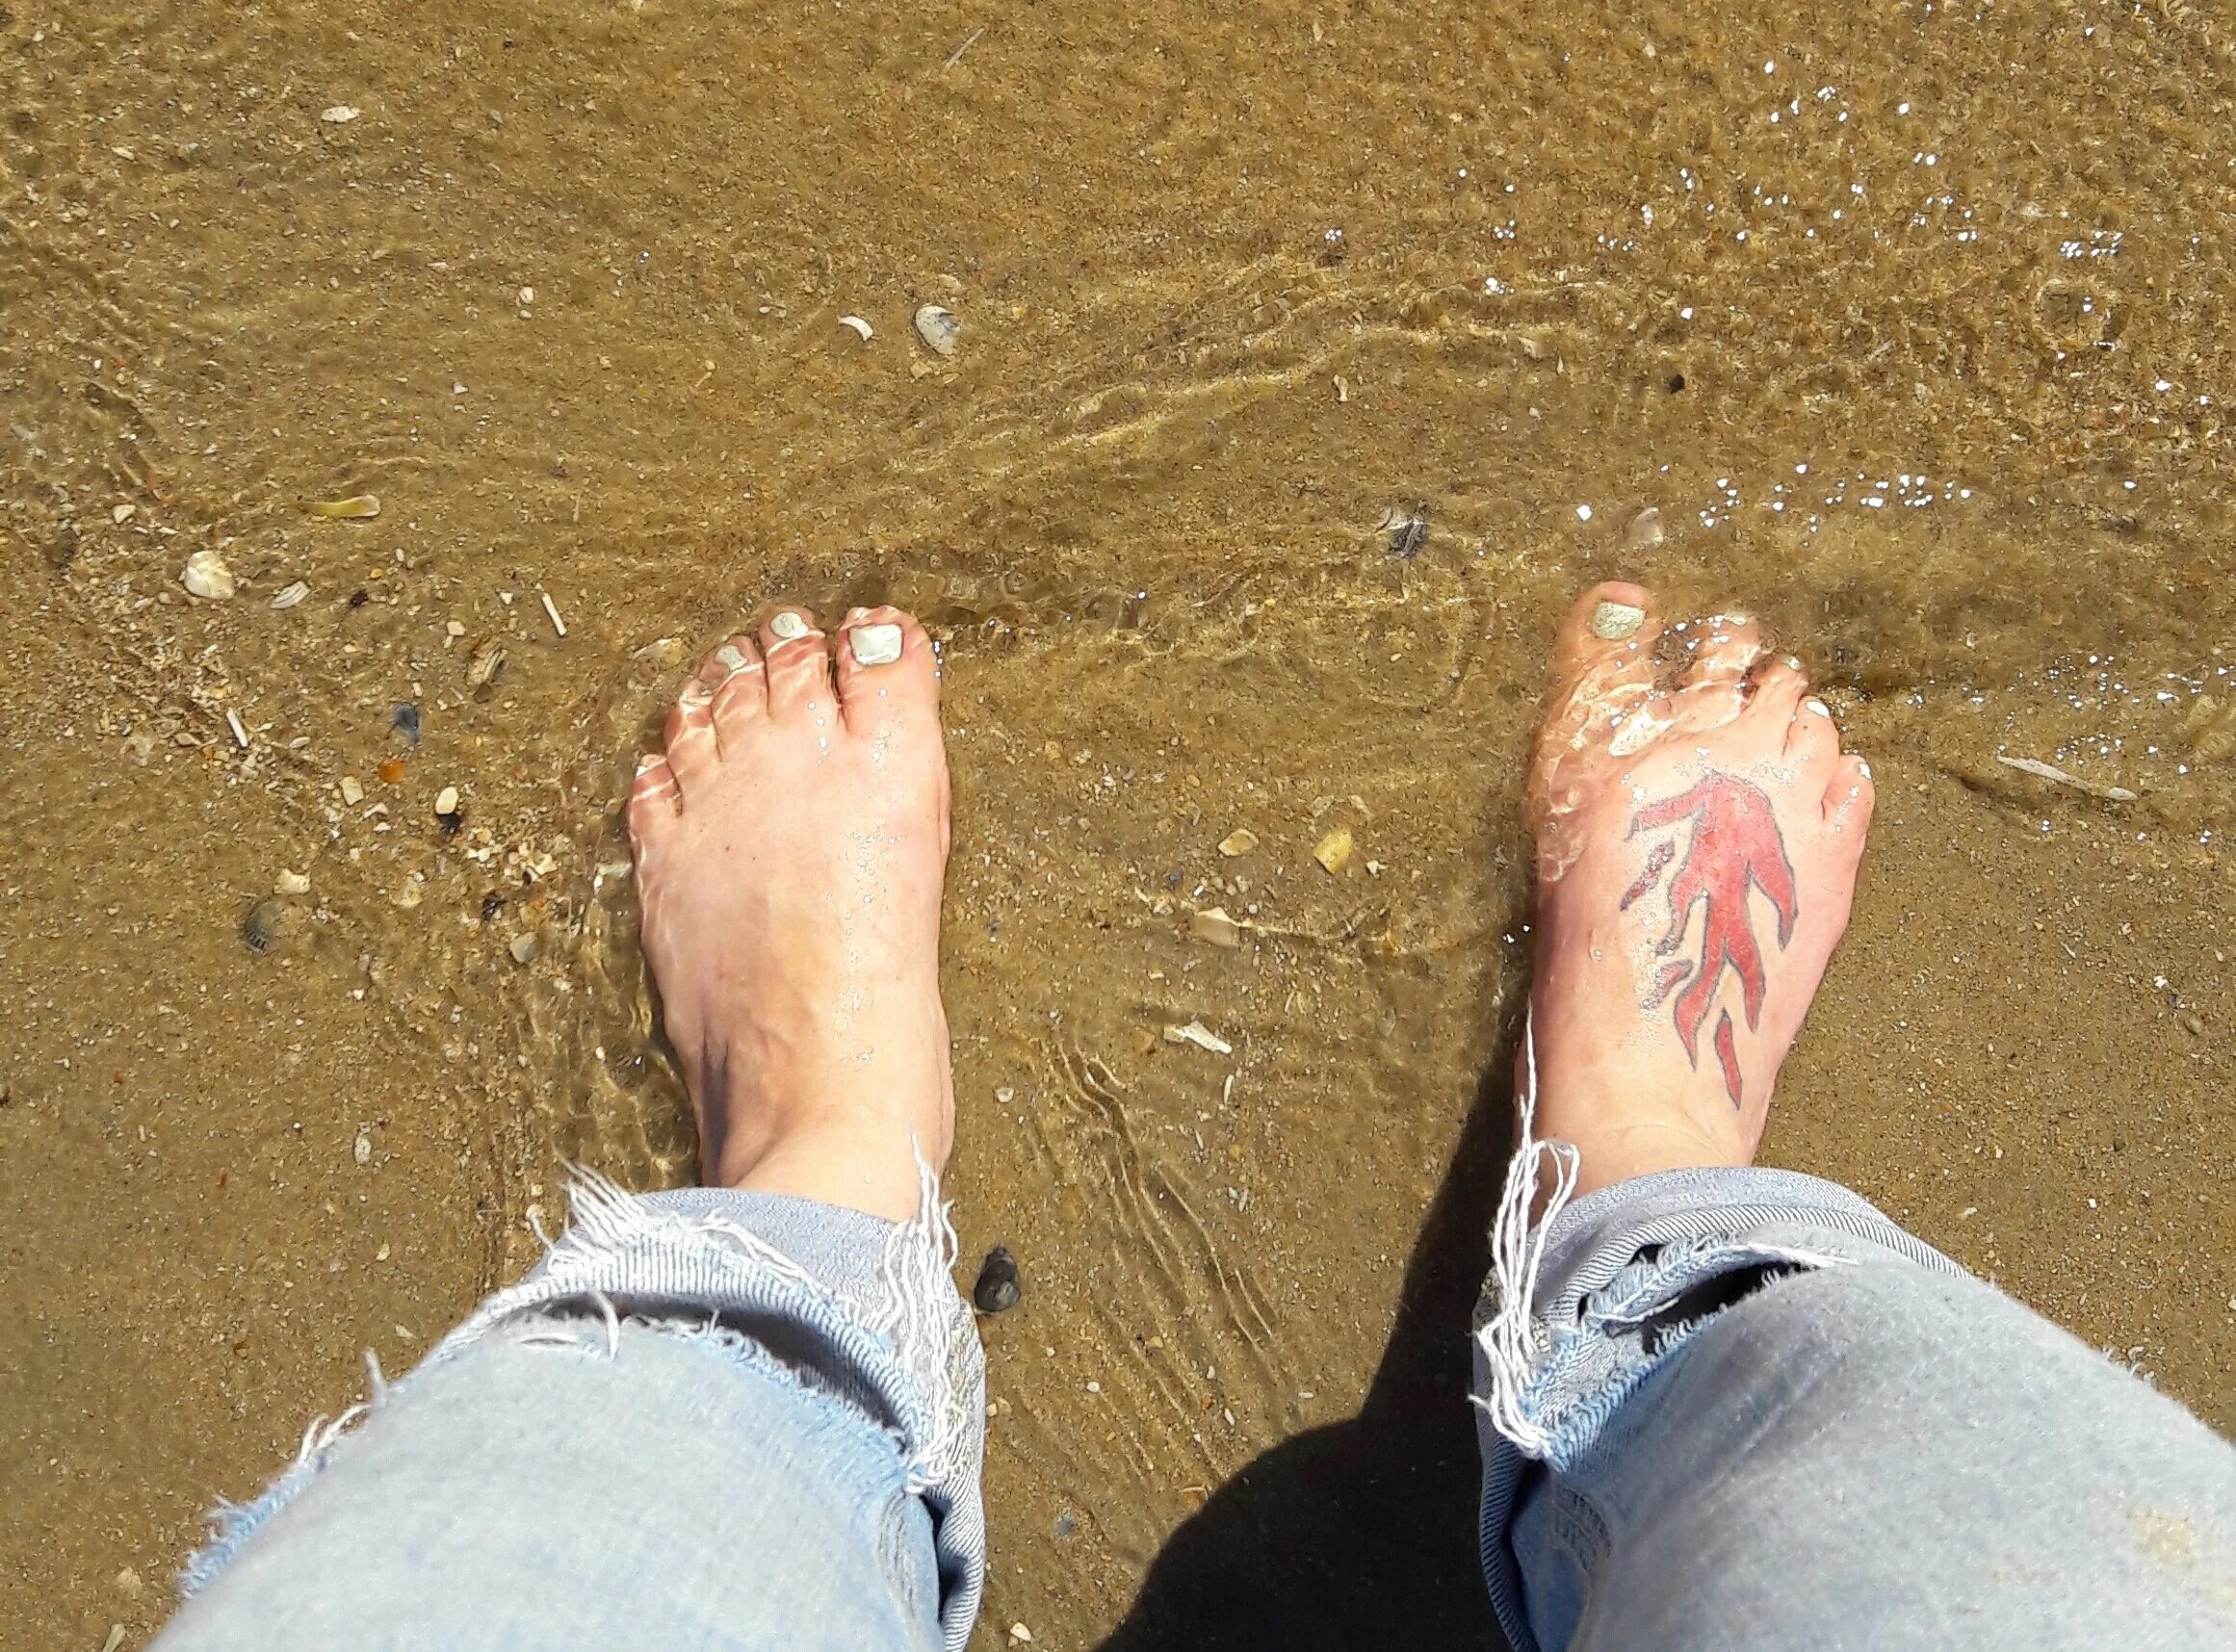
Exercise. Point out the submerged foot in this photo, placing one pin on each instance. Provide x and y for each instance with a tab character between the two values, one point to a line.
1699	832
790	843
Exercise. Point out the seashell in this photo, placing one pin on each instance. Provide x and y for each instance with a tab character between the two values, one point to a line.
290	595
860	327
938	328
206	576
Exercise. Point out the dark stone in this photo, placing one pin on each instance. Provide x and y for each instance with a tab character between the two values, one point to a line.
260	928
999	1288
404	720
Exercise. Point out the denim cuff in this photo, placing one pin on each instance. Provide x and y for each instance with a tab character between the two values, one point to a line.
1582	1311
850	1305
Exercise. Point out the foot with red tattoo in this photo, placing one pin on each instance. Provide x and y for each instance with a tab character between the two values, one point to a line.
1699	831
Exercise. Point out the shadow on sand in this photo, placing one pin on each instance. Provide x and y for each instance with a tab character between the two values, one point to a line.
1360	1534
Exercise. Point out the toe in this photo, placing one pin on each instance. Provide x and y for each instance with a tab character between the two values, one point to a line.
1716	678
1610	632
654	800
1778	688
693	751
797	657
1811	737
741	686
1849	799
887	671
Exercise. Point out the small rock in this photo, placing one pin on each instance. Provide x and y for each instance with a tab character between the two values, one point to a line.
1408	529
404	720
407	896
523	949
1213	924
2190	1023
938	328
290	595
260	928
1645	531
527	296
353	794
1201	1036
1240	841
1018	1632
121	514
128	1581
292	883
455	627
487	665
206	576
1334	851
447	800
1000	1288
362	1152
339	114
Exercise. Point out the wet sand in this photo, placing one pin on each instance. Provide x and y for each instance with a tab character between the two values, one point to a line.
1911	326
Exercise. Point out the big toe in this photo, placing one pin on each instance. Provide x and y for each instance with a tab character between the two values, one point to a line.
1610	632
888	672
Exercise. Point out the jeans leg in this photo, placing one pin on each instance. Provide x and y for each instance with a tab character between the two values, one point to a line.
706	1419
1747	1410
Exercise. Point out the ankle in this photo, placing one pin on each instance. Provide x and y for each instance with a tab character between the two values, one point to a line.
837	1163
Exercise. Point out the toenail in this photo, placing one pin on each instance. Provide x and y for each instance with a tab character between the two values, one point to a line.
695	694
732	661
787	625
1813	704
1862	768
876	644
1793	661
646	764
1612	622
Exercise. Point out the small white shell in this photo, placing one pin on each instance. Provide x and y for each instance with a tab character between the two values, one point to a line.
876	644
292	595
938	328
206	575
860	326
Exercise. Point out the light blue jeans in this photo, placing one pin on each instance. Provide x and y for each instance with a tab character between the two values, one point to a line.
1722	1409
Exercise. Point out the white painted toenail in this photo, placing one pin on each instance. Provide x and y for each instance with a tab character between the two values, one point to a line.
646	764
1793	661
1813	704
1862	768
733	662
787	625
1612	622
876	644
695	694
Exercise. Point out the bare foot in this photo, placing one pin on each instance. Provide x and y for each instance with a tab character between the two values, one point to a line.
790	843
1699	832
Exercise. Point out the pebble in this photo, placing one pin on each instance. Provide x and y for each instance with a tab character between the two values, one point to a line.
358	507
455	627
1240	841
1018	1632
939	329
292	883
1334	851
447	800
1213	924
404	720
1645	531
390	770
206	576
523	949
353	794
122	514
487	665
1408	530
338	115
260	928
362	1152
527	295
1000	1288
290	595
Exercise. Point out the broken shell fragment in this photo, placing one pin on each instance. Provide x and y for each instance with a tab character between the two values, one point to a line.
862	329
938	328
1201	1036
1614	622
1213	924
487	665
206	576
357	506
1240	841
290	595
1334	851
876	644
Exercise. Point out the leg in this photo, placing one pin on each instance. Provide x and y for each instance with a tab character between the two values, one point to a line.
747	1415
1735	1407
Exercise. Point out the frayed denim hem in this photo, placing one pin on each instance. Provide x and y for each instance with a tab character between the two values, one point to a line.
874	1327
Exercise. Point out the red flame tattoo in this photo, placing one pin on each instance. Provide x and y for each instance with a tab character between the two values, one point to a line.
1736	843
